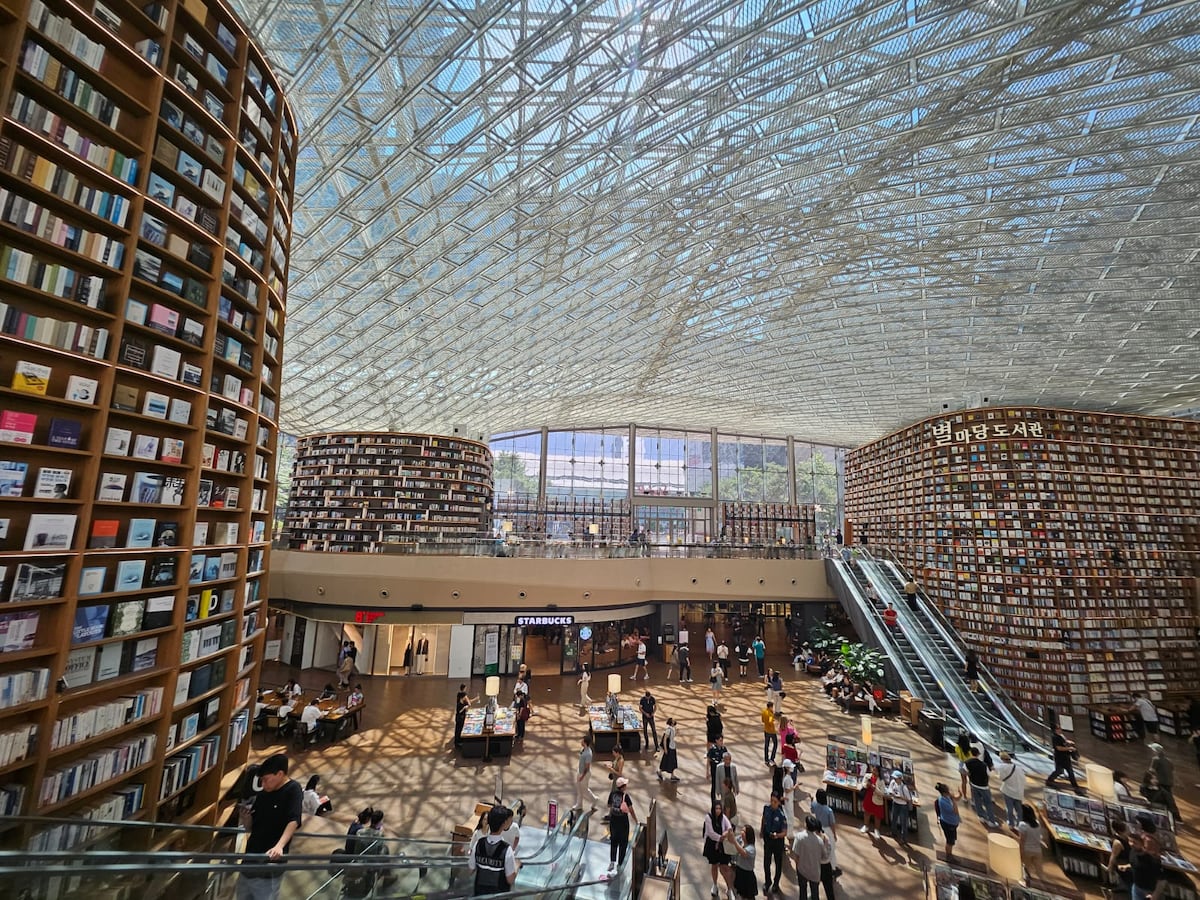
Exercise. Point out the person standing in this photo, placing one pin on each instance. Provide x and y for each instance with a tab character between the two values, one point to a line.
745	882
620	811
775	690
742	651
585	679
710	643
1012	787
1064	752
641	660
685	665
807	850
728	772
717	828
1029	833
948	818
723	657
275	816
670	758
1147	715
773	829
760	656
716	680
584	773
770	737
1161	775
1146	866
910	594
462	703
873	803
648	706
493	860
971	670
900	791
715	755
825	815
975	773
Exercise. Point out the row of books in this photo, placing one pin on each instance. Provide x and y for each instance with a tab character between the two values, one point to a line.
212	568
41	222
23	686
18	631
65	334
17	743
198	643
128	617
52	483
43	121
64	183
157	232
62	31
123	442
54	278
182	769
86	665
96	768
37	62
120	805
93	721
198	681
156	405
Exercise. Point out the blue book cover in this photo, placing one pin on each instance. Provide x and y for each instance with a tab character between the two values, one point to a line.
141	533
130	574
65	433
212	568
90	622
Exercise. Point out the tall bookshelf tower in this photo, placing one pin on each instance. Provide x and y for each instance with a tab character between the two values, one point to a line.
354	492
146	160
1063	545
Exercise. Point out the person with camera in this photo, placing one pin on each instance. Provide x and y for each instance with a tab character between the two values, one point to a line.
1064	754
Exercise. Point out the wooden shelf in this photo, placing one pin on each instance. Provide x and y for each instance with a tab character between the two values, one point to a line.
146	270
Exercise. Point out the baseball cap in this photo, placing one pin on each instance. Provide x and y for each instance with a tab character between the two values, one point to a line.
622	782
788	764
1157	748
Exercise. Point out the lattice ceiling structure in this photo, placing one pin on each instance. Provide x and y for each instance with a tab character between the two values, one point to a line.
824	219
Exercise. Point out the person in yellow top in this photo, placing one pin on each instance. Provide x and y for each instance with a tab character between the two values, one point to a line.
770	735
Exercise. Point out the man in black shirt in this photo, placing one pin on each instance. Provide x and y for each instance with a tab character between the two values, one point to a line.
462	703
275	817
1064	750
715	755
648	705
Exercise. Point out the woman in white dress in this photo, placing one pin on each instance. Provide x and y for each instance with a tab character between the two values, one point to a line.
585	678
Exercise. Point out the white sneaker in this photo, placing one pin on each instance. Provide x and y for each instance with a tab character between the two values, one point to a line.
612	867
875	834
863	830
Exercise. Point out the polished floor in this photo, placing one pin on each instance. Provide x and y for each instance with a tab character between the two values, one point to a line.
402	760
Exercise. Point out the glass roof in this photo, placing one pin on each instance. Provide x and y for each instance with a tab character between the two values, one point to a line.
823	219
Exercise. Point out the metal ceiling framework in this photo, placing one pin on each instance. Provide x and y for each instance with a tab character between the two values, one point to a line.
823	219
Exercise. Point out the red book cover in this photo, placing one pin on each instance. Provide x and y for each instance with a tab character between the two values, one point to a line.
17	426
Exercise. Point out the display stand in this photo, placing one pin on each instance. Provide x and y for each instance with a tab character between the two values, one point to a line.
1078	828
1113	721
847	768
946	879
478	743
607	733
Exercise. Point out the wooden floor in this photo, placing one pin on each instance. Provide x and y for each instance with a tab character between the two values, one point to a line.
402	761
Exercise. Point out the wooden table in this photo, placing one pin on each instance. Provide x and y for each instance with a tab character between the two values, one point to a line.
335	718
605	736
845	796
478	744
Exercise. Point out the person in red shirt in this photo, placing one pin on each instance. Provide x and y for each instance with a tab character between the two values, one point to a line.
891	618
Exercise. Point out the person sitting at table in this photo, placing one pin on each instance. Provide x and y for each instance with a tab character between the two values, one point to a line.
292	689
330	692
313	802
309	719
355	700
259	704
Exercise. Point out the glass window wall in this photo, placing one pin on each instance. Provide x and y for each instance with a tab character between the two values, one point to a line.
817	482
588	463
673	463
516	465
752	470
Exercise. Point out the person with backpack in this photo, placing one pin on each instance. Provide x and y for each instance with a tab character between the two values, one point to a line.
620	812
491	859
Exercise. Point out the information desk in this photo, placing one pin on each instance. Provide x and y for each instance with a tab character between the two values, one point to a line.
605	736
476	744
1079	833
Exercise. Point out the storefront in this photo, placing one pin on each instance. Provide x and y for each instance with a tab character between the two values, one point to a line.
553	643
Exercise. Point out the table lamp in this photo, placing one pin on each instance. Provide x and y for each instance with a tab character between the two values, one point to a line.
867	734
1100	780
614	683
491	686
1004	857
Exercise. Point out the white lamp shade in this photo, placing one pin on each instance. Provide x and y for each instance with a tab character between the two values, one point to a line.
1100	780
1004	857
491	687
614	684
867	734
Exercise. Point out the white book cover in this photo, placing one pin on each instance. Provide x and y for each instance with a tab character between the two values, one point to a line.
112	486
164	362
145	446
181	411
117	441
53	484
50	532
82	390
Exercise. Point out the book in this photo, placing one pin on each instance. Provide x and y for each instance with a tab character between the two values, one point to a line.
145	446
154	230
64	433
159	612
31	377
80	668
136	311
180	411
112	487
166	534
130	574
126	618
12	477
125	397
17	427
172	491
82	390
191	373
18	632
155	405
141	533
200	534
164	362
196	568
161	189
104	533
193	332
212	569
204	497
108	661
144	653
90	624
189	168
163	319
172	450
91	580
38	582
53	483
146	488
162	571
50	532
117	441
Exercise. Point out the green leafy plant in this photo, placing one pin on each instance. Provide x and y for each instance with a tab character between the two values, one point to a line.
824	638
865	664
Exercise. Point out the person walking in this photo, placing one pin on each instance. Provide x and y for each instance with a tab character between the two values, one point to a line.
1146	721
1012	787
742	652
770	737
1029	833
277	813
648	705
773	829
1146	866
723	657
620	812
745	882
729	772
775	690
716	829
760	656
673	662
901	793
975	774
641	660
1160	777
1064	753
585	679
716	680
873	803
808	848
584	773
825	815
715	755
670	758
946	807
685	665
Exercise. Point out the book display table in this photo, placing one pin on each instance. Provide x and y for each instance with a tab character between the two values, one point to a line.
947	878
478	744
847	768
607	734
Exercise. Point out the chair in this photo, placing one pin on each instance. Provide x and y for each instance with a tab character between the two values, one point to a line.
273	726
305	736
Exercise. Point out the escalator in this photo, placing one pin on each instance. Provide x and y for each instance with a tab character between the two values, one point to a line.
127	859
928	660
